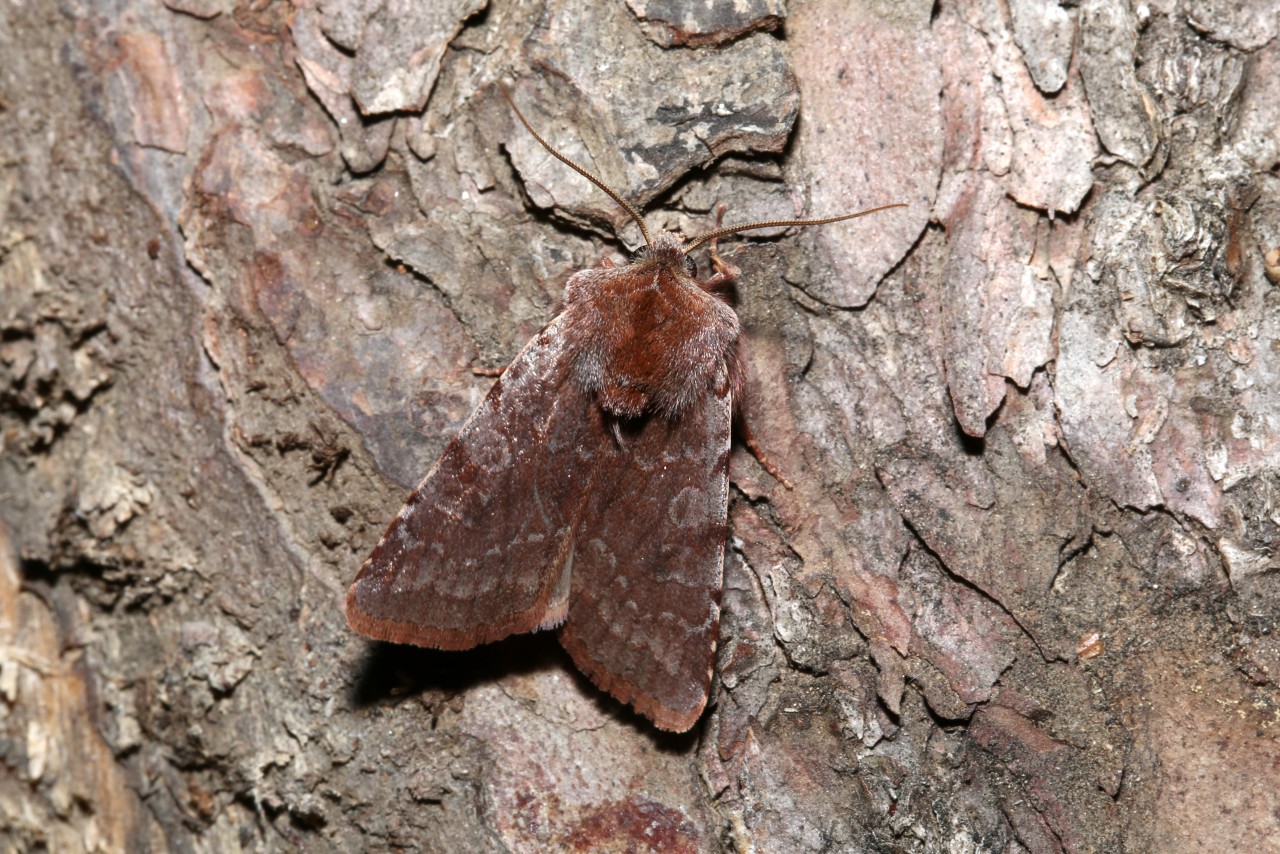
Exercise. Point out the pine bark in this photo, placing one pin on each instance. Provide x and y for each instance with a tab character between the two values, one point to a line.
256	259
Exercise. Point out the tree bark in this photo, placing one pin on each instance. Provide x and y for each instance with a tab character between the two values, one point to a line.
1022	596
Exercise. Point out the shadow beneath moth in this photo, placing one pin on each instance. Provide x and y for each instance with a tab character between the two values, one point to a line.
589	492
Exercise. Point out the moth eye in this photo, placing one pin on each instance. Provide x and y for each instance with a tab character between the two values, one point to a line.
637	256
690	267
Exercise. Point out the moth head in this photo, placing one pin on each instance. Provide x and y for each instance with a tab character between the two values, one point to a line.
666	248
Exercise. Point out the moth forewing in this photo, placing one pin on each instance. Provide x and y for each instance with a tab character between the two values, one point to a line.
479	549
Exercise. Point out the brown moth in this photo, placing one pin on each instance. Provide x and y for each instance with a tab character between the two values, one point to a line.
589	492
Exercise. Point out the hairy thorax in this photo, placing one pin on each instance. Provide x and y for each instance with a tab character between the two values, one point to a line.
647	337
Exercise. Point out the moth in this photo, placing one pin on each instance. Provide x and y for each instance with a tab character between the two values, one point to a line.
588	493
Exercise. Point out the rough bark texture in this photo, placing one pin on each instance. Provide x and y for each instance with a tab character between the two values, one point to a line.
1023	596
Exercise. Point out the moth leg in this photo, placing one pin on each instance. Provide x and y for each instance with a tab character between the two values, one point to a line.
749	439
615	427
488	372
720	211
725	273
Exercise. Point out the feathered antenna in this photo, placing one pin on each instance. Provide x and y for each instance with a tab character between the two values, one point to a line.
612	193
635	214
